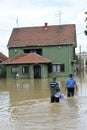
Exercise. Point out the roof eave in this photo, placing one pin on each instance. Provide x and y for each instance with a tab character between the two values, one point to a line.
27	63
56	44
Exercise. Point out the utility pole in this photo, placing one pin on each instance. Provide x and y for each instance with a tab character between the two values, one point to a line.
17	22
59	15
80	57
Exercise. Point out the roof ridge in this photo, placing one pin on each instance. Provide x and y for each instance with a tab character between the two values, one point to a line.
43	26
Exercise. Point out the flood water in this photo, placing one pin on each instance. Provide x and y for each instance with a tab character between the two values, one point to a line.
25	105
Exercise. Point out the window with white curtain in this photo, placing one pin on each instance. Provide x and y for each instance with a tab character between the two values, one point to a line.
25	69
58	67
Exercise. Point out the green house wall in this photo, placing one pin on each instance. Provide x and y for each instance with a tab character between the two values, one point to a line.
63	54
44	72
2	71
60	55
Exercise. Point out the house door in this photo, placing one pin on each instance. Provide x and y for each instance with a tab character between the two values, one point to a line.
37	71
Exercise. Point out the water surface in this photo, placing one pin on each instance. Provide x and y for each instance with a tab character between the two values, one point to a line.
25	105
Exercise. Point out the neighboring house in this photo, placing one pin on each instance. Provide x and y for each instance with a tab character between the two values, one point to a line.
41	52
82	57
2	67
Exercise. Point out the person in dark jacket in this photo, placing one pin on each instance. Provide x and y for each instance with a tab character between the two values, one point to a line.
54	88
70	86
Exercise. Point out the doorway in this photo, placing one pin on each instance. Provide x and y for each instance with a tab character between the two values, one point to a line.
37	71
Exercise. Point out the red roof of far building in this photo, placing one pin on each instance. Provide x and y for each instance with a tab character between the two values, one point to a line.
26	58
3	57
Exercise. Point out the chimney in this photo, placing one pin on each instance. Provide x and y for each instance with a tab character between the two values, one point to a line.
45	26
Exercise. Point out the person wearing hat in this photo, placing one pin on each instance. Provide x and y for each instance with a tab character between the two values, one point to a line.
54	88
70	85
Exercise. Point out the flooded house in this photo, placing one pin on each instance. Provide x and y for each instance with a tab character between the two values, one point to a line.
41	51
2	67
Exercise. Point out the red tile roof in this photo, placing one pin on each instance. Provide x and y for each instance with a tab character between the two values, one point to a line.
26	58
3	57
43	35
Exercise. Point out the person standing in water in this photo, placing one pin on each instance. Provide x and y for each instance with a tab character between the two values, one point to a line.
70	85
54	88
17	76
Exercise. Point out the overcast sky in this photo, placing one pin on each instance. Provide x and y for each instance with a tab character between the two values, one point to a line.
37	12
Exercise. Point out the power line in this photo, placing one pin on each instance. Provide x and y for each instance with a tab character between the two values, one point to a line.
80	33
4	30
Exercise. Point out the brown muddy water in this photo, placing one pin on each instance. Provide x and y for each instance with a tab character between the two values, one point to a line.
25	105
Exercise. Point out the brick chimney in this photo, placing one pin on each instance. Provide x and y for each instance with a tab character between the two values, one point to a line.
45	26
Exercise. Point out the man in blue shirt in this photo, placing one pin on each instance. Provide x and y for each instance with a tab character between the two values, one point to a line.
54	88
70	85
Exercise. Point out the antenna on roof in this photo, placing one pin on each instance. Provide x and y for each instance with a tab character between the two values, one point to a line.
59	14
59	17
17	21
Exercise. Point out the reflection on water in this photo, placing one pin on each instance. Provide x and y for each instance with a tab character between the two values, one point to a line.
4	105
25	105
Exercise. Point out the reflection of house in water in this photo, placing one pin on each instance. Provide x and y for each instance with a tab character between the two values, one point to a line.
82	57
27	89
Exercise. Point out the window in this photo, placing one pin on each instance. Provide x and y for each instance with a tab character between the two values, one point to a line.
38	51
58	68
14	69
25	69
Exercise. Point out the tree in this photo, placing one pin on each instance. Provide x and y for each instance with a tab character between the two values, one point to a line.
86	24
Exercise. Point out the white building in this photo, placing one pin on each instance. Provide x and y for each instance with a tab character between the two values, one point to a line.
82	56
